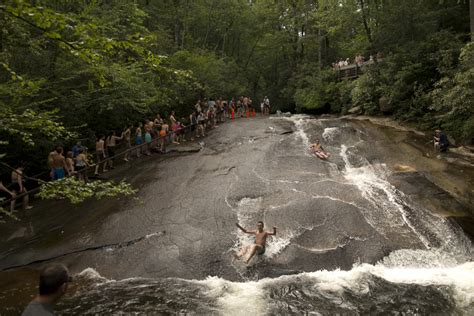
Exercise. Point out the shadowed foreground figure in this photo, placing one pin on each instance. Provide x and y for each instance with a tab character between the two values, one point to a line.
53	285
260	241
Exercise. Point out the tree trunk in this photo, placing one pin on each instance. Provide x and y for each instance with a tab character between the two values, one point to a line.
319	48
366	25
471	14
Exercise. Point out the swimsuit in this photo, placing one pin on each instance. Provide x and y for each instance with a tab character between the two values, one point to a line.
15	186
138	140
260	250
111	152
148	137
59	173
80	165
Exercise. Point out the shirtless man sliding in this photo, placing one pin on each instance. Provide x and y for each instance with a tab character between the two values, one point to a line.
260	241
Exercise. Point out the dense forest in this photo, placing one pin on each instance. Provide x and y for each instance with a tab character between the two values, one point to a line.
72	69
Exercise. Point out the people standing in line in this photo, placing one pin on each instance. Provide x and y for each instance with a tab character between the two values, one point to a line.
174	128
211	118
158	120
111	143
240	107
266	102
76	148
100	154
201	119
181	130
58	164
225	110
126	134
232	108
211	104
163	133
50	161
148	139
53	284
18	187
245	102
197	106
80	165
193	123
138	138
70	162
10	193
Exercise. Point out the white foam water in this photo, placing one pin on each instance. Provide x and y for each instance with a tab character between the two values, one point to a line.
300	122
329	133
248	298
387	207
346	289
249	211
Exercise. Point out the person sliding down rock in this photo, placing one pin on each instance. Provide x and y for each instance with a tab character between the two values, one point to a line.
318	150
260	241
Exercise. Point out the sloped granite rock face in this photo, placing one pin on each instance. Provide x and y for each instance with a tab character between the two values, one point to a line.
356	207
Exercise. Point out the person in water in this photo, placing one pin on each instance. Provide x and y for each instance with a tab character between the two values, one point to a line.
260	241
53	284
318	150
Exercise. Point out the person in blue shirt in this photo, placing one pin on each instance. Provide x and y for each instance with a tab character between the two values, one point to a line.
76	148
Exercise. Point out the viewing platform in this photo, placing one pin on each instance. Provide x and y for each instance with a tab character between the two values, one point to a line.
353	71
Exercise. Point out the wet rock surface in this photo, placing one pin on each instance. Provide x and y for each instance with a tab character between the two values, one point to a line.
377	193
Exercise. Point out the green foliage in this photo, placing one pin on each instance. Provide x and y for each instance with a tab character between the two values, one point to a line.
30	124
316	90
365	93
77	191
5	214
76	69
219	77
453	97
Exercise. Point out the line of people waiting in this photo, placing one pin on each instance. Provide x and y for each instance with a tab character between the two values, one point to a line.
143	138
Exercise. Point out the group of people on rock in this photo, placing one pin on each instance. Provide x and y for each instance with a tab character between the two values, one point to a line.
139	139
220	110
149	136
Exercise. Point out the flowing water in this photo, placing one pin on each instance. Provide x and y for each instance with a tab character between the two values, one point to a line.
349	241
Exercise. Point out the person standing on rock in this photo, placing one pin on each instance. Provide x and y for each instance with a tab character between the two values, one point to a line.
266	102
260	241
100	153
126	134
59	165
